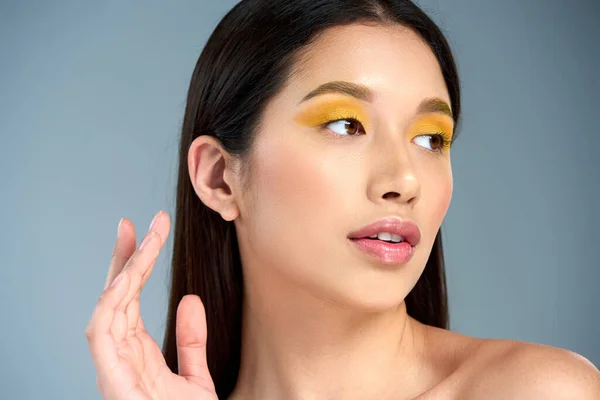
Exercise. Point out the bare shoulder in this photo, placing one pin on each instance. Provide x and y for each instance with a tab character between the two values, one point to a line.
522	370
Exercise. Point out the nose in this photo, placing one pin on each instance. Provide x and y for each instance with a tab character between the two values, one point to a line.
394	177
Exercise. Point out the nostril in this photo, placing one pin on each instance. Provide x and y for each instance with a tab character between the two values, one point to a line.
392	195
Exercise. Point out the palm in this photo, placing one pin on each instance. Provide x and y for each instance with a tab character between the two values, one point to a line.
143	370
129	363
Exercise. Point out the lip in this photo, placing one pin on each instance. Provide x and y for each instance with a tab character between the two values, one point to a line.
405	228
386	252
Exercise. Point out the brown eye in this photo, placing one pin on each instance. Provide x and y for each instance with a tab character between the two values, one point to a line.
346	127
433	142
436	141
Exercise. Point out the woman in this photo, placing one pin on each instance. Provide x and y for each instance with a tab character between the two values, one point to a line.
314	177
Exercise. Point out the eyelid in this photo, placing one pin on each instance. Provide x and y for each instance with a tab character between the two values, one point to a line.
325	111
432	123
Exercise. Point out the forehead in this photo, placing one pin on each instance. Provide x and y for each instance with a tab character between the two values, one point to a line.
390	59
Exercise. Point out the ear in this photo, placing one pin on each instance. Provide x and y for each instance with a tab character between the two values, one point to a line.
209	167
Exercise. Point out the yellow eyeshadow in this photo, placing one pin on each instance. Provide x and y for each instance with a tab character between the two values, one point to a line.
433	124
329	109
324	111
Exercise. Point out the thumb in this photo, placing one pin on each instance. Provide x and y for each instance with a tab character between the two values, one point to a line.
190	334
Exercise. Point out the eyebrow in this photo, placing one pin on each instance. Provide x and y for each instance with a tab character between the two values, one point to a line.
361	92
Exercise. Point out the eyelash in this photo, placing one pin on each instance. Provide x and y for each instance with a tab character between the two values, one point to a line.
445	142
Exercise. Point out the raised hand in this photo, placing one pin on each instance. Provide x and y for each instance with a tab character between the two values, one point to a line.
129	363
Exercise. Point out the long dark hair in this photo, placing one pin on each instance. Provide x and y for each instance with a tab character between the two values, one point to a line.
246	61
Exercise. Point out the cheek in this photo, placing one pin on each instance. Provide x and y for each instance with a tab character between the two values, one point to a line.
295	187
293	212
438	197
444	201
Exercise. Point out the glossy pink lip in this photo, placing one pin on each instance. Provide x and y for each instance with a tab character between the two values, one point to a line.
388	253
407	229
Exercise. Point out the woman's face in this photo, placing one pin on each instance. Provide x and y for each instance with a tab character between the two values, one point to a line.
314	182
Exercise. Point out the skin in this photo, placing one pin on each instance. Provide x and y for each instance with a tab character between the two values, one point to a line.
324	320
349	324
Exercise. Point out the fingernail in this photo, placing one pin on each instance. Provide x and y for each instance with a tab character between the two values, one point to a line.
146	240
118	279
119	227
155	220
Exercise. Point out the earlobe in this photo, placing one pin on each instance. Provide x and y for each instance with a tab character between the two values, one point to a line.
208	165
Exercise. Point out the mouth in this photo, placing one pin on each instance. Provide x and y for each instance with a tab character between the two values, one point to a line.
390	240
389	230
387	238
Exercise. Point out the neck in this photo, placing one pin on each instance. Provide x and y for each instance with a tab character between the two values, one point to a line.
296	345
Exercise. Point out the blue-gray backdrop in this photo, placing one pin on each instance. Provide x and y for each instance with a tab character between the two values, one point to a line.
91	101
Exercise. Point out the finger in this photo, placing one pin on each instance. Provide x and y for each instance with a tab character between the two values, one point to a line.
125	244
138	264
190	336
140	271
98	331
123	249
162	226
